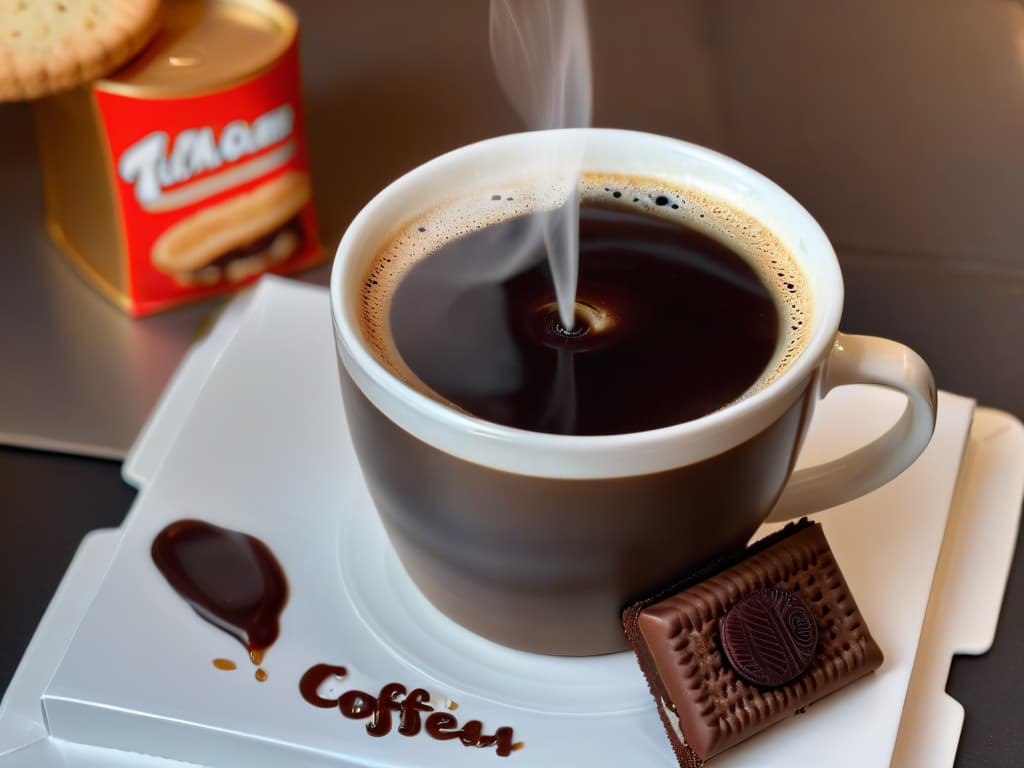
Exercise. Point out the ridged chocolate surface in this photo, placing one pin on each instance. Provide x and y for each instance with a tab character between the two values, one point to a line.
705	705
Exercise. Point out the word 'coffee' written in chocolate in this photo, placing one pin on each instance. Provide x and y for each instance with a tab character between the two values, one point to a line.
409	709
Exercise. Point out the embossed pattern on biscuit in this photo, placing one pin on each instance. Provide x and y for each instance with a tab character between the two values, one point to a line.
769	637
48	46
712	706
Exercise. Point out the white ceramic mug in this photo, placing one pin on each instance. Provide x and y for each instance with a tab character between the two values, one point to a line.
536	540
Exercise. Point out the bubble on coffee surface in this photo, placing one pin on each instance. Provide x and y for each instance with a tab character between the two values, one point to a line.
457	217
757	244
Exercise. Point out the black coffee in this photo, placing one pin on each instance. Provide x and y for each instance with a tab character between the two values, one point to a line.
670	325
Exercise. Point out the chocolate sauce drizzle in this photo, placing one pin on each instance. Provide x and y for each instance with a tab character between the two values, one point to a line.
231	579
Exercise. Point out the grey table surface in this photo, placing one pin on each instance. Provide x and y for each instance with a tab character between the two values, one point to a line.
914	168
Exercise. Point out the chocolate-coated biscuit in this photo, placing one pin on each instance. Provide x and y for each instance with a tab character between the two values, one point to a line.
750	641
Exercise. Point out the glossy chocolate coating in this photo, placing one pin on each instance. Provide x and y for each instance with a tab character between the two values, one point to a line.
706	706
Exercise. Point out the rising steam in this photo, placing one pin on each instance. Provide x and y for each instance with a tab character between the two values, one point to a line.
541	53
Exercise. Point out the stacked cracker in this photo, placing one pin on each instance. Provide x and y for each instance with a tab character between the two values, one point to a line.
48	46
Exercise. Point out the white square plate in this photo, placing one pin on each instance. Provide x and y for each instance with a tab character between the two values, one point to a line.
251	435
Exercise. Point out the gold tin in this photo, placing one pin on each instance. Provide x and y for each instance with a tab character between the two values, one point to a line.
185	174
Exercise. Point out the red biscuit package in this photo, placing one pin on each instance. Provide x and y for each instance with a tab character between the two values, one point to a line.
185	173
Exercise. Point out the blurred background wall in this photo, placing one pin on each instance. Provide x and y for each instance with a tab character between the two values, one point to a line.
898	123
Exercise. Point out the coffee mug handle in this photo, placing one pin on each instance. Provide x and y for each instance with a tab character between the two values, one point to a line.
867	360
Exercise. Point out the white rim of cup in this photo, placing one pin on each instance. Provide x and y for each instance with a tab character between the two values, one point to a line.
575	457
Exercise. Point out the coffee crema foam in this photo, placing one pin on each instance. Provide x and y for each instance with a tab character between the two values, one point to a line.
457	217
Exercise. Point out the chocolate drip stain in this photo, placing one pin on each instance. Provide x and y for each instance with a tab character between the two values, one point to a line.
231	579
